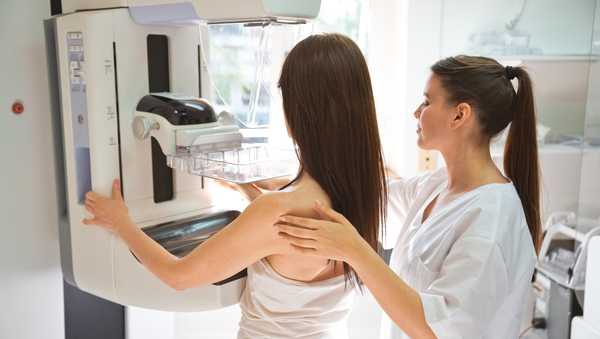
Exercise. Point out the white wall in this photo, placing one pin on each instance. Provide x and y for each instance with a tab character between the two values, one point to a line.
399	59
30	278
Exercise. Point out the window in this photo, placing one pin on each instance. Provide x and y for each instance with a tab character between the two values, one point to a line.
245	61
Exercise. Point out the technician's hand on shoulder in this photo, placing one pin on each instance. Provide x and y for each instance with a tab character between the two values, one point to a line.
108	212
333	238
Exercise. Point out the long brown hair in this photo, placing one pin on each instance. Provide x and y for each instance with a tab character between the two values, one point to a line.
486	85
330	111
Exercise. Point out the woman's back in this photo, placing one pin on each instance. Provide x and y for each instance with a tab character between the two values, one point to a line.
277	307
295	295
299	199
326	93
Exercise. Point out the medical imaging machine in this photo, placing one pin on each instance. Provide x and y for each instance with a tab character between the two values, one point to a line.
129	76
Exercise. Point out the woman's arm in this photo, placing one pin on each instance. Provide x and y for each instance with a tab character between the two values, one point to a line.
338	239
249	238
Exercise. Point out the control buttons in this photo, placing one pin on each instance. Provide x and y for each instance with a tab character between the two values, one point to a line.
18	107
75	36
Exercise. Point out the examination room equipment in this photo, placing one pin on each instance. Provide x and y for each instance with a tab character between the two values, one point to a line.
168	95
560	276
129	75
588	325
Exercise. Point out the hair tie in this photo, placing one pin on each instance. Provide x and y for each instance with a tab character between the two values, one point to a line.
511	72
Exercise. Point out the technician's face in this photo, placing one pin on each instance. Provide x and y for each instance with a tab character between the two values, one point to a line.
434	116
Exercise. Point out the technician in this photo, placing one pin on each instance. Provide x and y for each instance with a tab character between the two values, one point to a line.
463	263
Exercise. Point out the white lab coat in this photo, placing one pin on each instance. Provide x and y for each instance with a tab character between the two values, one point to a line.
471	261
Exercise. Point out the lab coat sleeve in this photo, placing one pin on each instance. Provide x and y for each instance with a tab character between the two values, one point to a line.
470	288
401	194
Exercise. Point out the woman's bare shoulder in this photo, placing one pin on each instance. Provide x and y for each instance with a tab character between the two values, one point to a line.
272	203
284	202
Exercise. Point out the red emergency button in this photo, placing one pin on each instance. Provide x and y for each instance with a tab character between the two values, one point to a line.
17	107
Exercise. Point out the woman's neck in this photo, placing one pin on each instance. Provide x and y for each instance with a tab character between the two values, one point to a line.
470	166
304	180
305	184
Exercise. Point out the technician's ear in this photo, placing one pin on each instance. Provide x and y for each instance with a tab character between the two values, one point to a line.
462	113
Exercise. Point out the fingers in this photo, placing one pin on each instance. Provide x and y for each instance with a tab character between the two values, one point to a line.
297	231
91	196
318	207
309	223
116	190
303	250
299	242
94	197
90	202
329	214
89	208
91	221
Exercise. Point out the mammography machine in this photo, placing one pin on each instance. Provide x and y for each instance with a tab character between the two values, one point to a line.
560	277
588	325
115	66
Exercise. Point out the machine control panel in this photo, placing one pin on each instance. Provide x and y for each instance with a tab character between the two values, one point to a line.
77	89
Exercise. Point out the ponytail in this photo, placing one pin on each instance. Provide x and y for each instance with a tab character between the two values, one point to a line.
521	154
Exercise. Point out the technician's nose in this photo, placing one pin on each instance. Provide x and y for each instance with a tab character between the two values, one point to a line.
417	112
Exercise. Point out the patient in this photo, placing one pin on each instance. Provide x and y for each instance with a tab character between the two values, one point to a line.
330	113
